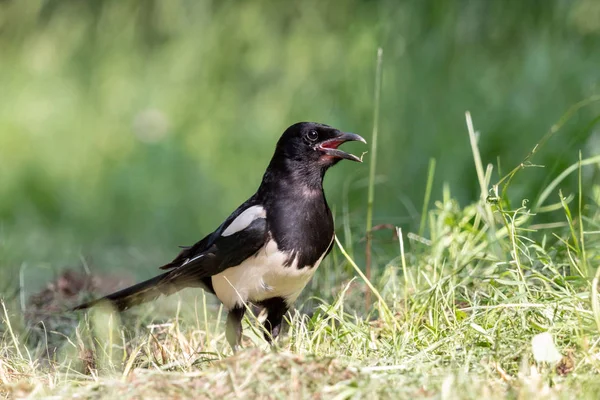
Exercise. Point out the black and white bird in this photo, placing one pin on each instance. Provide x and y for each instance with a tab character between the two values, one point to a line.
268	249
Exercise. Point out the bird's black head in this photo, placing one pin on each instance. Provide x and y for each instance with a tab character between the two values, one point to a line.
303	154
315	145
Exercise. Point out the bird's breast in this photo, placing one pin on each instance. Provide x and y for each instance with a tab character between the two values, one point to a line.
302	226
270	273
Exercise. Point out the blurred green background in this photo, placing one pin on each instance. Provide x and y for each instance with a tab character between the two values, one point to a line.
130	127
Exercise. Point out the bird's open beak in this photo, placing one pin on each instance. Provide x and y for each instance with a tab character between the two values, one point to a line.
330	146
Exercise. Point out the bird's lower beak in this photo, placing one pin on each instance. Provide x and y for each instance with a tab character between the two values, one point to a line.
330	147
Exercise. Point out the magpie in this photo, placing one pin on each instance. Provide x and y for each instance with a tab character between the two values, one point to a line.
268	249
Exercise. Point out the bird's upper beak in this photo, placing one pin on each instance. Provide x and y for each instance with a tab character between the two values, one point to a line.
330	146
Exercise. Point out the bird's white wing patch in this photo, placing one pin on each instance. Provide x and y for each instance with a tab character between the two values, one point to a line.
243	220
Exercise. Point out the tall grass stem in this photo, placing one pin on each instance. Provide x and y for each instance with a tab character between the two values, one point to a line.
428	187
372	165
382	302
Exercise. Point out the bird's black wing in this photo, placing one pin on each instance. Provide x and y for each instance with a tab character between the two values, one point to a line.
190	252
224	252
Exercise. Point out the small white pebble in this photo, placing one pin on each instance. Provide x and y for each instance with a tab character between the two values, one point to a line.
544	349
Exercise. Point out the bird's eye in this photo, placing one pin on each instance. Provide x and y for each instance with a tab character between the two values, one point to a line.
312	135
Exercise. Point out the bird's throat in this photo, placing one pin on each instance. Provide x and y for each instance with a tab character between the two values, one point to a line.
303	179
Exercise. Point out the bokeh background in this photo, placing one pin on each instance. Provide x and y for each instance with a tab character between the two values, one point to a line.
130	127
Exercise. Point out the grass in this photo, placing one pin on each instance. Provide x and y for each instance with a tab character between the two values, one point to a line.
457	314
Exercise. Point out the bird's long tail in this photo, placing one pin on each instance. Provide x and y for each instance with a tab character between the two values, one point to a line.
136	294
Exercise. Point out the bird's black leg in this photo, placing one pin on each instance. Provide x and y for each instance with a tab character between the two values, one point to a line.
233	331
276	309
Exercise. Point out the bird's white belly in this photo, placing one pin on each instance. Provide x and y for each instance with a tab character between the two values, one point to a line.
262	277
